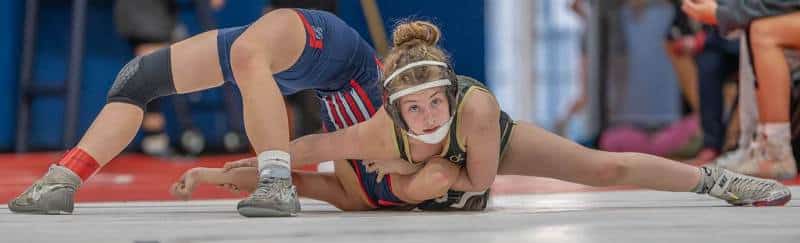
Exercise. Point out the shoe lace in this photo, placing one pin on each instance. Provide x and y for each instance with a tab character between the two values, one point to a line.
750	187
269	189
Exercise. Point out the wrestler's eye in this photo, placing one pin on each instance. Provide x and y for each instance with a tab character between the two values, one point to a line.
436	101
413	108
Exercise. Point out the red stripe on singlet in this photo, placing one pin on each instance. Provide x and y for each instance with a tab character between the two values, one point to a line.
364	96
312	37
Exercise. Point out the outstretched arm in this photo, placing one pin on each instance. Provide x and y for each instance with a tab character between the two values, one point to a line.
236	180
369	140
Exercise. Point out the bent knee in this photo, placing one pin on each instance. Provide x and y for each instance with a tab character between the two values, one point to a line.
280	13
143	79
247	53
762	33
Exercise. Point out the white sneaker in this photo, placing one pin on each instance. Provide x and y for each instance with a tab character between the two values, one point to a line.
730	159
765	159
742	190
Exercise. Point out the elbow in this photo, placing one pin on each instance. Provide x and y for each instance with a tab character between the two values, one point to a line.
245	56
441	182
438	178
437	185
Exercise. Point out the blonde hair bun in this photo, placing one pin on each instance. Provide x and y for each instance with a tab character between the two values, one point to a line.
416	32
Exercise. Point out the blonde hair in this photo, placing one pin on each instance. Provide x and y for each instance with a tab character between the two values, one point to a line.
414	41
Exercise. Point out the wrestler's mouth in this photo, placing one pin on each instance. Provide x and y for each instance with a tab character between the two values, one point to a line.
430	130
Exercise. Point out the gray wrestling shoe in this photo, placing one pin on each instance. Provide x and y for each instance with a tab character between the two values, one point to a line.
52	194
274	197
742	190
458	201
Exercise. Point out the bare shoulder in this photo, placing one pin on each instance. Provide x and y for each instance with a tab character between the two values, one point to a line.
480	108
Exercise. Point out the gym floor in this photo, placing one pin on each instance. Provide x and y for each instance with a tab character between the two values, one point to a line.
128	202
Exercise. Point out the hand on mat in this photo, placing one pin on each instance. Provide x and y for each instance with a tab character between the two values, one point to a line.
384	167
236	180
184	187
248	162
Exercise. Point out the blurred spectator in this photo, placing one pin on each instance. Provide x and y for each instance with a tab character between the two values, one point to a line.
717	63
149	25
772	28
685	38
646	116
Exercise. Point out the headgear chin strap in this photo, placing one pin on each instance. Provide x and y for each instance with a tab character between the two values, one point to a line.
450	81
436	136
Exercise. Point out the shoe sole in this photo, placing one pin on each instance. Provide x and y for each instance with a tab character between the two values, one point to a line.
263	212
37	211
48	204
777	202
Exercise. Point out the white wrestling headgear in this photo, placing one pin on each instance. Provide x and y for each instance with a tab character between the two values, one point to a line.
393	108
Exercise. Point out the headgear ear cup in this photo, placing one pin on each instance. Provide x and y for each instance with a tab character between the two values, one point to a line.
453	91
392	109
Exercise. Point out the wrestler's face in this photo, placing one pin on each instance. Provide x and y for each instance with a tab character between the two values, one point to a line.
425	111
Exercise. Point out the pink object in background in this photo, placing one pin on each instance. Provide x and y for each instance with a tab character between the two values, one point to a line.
628	138
625	138
673	137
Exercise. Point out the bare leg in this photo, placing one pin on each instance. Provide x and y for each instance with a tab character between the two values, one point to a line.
273	43
270	45
193	68
155	141
536	152
263	49
768	38
115	126
772	153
